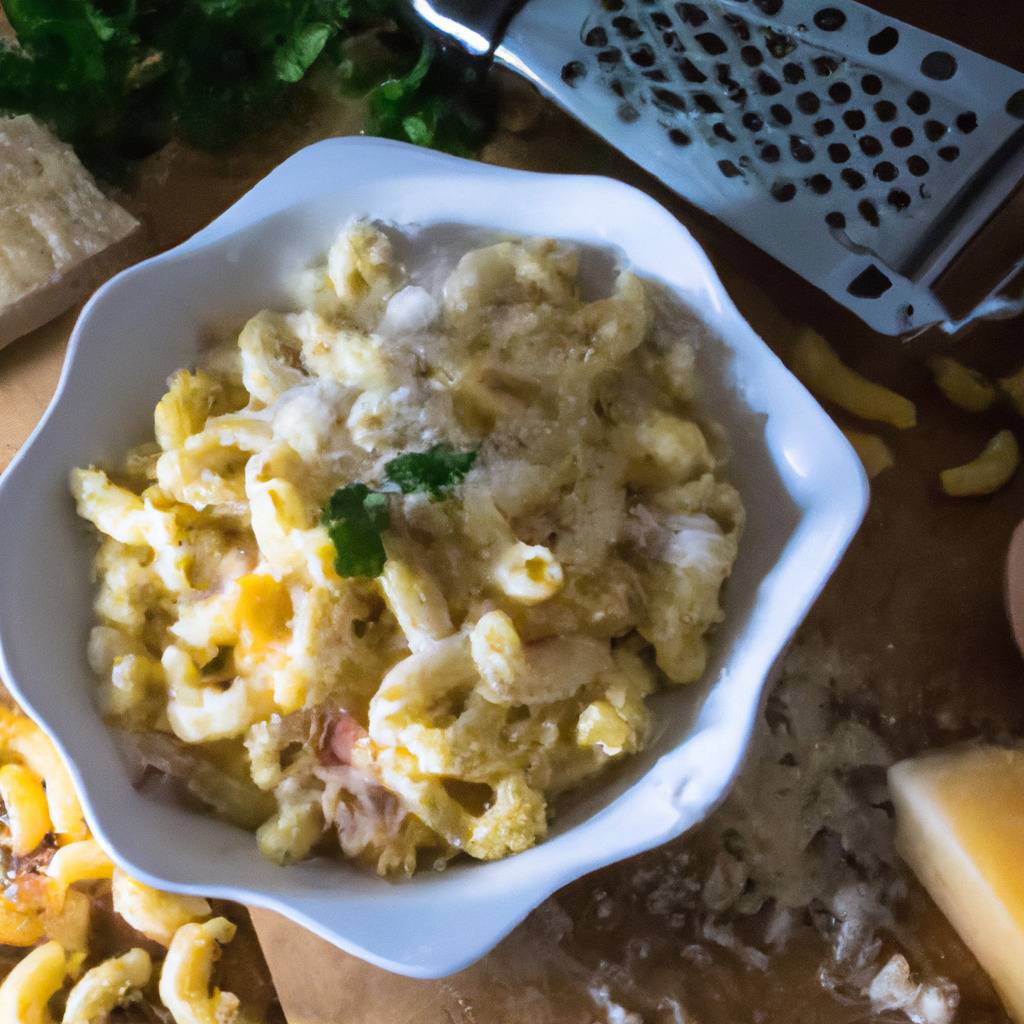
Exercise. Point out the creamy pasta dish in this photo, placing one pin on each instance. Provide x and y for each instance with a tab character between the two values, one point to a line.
402	566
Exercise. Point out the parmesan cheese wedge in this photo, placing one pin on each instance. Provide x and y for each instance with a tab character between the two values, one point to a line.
60	236
960	826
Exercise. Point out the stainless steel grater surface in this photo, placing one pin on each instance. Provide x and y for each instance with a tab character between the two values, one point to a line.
859	151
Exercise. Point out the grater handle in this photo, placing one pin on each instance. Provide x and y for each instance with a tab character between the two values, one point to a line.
976	285
474	25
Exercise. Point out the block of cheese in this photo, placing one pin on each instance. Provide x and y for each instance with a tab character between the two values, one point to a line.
60	236
960	826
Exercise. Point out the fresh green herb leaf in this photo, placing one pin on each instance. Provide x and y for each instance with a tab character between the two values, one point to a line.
296	57
434	471
119	78
433	104
355	518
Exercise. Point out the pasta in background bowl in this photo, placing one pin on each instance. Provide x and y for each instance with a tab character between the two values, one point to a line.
802	486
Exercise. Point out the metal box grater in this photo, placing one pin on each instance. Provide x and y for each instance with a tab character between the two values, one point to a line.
856	149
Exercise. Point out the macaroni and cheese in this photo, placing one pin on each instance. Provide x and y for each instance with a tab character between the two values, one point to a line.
403	565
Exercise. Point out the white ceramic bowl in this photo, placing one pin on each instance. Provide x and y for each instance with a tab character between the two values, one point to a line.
803	486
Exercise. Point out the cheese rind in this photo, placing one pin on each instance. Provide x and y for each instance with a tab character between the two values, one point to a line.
60	235
960	826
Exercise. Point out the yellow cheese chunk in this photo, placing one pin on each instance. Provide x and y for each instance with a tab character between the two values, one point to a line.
960	826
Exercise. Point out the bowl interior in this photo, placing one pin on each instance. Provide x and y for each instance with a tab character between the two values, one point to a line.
803	488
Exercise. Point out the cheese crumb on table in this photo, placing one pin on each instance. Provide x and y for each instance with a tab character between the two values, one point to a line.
960	826
60	236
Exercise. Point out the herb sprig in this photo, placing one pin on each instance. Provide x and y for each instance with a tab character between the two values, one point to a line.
434	471
356	517
119	78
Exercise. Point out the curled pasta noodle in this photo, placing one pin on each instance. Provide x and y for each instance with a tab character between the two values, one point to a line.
270	354
26	992
342	355
417	603
291	833
200	713
992	469
548	670
281	521
28	815
189	400
208	469
23	738
828	377
497	650
663	450
133	520
359	266
157	915
400	712
963	386
111	984
514	819
618	324
82	861
528	573
185	975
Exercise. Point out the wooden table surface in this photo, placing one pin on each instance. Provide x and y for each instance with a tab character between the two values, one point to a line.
915	609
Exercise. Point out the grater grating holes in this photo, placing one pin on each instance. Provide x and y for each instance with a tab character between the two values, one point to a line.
781	113
883	42
869	145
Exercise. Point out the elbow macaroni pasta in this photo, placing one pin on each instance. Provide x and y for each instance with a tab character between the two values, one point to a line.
185	976
505	650
44	907
26	992
107	986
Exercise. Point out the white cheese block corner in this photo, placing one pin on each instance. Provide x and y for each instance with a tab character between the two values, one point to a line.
60	236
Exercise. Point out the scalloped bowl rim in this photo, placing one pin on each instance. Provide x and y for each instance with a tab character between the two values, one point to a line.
433	924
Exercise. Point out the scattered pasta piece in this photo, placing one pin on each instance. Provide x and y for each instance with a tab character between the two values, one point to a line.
963	386
26	992
28	814
1013	388
29	743
157	915
992	469
41	908
872	451
79	862
185	976
111	984
828	377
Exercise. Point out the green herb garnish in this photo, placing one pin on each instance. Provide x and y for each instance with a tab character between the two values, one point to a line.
434	471
355	518
119	78
431	105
